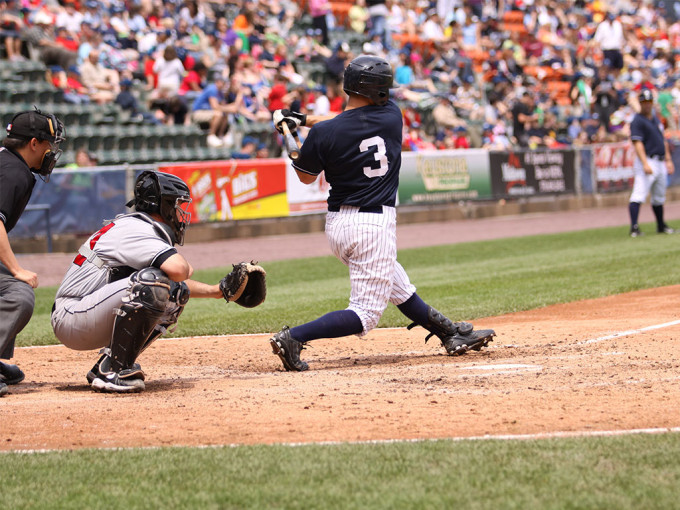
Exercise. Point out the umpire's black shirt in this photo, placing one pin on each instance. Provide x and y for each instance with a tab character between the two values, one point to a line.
16	186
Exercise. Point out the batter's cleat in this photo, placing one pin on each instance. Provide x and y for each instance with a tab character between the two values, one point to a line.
458	344
108	381
3	389
10	374
666	230
288	349
135	372
635	231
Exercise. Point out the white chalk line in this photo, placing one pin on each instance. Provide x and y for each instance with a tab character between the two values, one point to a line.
487	437
629	332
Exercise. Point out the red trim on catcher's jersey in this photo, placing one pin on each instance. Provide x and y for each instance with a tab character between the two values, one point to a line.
78	261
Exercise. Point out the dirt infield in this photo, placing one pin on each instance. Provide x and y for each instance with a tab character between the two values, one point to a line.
559	368
549	370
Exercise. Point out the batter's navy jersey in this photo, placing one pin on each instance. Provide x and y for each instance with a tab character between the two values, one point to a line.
360	152
648	131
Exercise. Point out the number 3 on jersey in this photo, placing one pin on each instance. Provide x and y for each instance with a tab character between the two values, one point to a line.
379	155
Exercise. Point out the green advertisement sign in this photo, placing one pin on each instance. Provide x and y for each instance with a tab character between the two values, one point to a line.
444	176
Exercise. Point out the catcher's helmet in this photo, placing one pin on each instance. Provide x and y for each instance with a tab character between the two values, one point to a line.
166	195
369	76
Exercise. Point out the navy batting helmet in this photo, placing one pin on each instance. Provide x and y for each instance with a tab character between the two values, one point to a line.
166	195
645	95
369	76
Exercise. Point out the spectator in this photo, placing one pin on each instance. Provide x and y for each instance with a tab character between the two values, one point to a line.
444	114
211	108
170	72
319	10
358	16
41	38
194	81
11	25
128	102
101	82
522	115
336	63
378	12
610	39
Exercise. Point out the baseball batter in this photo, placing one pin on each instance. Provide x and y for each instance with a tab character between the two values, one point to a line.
128	284
652	165
360	152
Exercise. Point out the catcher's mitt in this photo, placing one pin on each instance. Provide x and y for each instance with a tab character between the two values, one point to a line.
246	285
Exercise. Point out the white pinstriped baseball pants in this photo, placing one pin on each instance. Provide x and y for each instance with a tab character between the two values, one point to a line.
367	244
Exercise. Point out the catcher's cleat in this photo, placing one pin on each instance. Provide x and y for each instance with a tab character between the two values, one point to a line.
108	381
288	349
3	389
134	372
10	374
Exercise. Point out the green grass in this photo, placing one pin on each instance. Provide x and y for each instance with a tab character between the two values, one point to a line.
465	281
632	472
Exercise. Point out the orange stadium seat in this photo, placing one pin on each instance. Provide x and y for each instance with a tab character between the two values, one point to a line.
341	12
513	17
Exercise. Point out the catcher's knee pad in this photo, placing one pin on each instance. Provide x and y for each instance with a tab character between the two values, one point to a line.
154	302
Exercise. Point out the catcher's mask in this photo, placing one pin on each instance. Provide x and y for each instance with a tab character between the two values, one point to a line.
41	126
166	195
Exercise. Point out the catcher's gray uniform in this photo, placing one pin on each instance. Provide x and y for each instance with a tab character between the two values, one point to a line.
89	295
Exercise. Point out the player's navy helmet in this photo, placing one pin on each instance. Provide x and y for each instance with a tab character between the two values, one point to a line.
166	195
369	76
645	95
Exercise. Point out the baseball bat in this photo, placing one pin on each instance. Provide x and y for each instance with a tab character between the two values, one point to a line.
290	142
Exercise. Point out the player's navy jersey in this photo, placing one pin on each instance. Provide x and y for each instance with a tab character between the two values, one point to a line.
360	152
648	131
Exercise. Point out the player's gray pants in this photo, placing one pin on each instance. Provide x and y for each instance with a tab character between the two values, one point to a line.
646	184
17	300
86	324
367	244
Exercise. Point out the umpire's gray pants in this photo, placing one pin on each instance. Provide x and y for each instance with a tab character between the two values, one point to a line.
17	300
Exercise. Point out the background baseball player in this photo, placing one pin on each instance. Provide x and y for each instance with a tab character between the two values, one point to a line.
652	165
128	284
360	152
31	146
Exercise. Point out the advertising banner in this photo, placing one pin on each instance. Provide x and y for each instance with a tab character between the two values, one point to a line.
306	198
614	166
444	176
234	189
531	173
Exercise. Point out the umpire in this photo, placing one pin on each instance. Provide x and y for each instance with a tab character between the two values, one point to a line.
31	146
651	166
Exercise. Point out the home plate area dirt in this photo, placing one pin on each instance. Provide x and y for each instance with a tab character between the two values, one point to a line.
555	369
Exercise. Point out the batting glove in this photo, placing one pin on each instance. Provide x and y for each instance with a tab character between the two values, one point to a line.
293	119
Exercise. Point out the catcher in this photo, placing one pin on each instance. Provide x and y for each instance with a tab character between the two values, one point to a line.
127	285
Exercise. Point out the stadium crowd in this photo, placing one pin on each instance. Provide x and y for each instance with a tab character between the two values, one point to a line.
468	73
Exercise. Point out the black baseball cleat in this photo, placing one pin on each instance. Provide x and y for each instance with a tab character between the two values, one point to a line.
635	231
288	349
459	344
666	230
108	381
134	372
10	374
